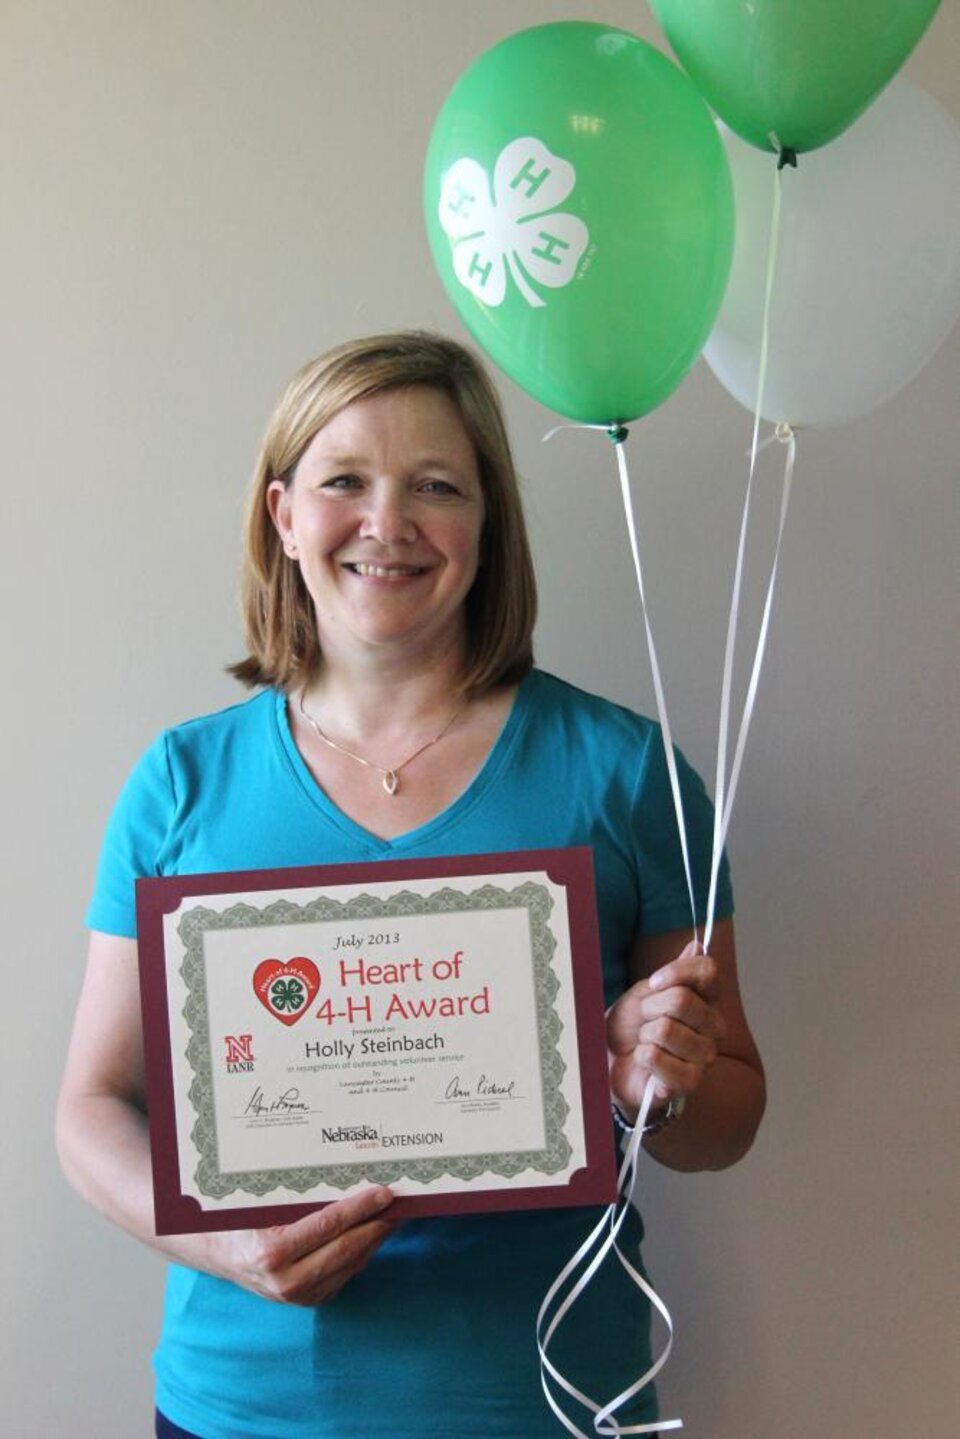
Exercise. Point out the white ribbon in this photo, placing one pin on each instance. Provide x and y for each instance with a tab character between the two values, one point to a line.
723	801
606	1233
603	1422
618	434
787	437
658	690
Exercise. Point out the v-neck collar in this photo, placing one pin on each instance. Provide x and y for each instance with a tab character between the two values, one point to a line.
420	837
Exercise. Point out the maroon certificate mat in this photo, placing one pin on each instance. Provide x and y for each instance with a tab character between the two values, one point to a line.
434	1025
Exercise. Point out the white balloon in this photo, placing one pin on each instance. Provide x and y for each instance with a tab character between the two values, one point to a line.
867	284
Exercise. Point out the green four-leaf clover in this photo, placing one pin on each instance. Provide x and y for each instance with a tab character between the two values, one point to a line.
287	994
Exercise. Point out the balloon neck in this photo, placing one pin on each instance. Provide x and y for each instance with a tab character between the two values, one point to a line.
787	156
616	434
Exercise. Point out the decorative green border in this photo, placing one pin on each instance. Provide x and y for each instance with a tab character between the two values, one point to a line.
534	898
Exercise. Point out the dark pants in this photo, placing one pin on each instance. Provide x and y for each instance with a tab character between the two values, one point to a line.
166	1430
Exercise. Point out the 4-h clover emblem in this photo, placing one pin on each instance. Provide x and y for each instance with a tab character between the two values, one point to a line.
512	226
287	994
286	990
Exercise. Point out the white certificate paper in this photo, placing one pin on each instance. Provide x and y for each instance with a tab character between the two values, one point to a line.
436	1026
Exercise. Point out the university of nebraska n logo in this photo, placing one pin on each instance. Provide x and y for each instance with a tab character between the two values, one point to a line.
239	1057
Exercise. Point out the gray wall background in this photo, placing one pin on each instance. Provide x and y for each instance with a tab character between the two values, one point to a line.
196	198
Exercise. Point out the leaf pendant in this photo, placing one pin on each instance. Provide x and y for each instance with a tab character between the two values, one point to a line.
390	781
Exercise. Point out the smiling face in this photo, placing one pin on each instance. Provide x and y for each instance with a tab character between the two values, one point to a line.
384	515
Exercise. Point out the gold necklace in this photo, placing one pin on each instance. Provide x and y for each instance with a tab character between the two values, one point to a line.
389	778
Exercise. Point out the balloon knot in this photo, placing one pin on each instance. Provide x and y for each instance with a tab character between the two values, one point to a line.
616	434
788	156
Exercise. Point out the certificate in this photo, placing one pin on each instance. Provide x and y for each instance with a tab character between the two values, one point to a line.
433	1025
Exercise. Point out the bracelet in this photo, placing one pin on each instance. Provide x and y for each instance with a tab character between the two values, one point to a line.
674	1109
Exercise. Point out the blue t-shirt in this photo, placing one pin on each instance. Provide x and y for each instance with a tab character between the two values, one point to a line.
436	1336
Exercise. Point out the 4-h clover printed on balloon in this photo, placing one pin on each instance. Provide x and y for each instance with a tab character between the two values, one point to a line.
580	214
512	226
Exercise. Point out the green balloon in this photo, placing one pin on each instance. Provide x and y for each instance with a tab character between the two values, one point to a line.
792	74
580	214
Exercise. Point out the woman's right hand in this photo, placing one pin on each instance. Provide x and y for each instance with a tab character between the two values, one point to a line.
307	1262
105	1150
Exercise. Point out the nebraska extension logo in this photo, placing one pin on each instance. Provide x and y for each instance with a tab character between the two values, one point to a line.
286	990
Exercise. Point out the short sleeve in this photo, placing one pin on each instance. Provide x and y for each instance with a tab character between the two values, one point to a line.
133	842
665	901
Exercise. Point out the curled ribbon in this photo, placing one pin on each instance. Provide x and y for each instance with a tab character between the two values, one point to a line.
603	1238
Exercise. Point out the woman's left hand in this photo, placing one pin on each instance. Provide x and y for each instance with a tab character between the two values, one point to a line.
667	1025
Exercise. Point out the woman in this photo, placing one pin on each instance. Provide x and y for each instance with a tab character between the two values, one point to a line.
390	602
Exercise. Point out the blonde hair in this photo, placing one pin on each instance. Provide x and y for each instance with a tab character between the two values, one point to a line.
501	607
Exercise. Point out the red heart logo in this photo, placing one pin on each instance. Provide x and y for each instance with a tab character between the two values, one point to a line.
286	990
